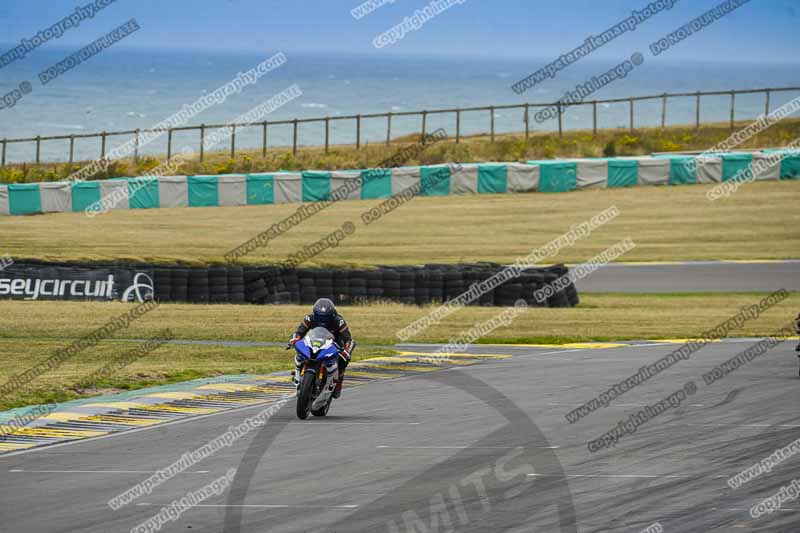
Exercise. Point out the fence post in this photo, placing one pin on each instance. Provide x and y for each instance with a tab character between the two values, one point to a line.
631	108
294	138
491	111
136	146
594	118
233	141
424	125
169	144
458	126
560	122
264	139
39	145
697	112
663	110
733	109
327	133
766	106
5	143
388	128
71	148
202	141
358	132
527	121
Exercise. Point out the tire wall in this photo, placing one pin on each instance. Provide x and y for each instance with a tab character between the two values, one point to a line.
417	285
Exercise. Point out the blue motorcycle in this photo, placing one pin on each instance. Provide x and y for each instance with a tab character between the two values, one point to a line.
317	356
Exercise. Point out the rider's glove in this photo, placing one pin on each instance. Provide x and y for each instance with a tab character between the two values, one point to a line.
346	351
294	340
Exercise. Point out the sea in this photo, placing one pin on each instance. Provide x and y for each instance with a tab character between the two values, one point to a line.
126	89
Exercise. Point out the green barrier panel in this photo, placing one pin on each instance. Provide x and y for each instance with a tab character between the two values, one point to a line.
790	167
623	173
557	176
434	181
492	178
84	194
732	164
316	186
260	189
376	183
203	191
681	171
143	193
24	199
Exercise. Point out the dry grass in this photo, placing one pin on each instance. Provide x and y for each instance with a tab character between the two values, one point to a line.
598	317
667	223
474	148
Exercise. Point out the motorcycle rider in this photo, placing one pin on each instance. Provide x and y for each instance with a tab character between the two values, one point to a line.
325	315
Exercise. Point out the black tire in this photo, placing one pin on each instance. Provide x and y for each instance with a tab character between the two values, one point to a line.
323	411
179	289
304	395
162	279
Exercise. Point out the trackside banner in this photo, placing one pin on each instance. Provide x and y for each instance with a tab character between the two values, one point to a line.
19	282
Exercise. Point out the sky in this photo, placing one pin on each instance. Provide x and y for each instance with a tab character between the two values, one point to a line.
761	30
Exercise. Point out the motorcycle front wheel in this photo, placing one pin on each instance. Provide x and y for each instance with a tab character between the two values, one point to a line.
305	396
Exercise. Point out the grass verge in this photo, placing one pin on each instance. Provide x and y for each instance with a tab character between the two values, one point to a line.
760	221
170	363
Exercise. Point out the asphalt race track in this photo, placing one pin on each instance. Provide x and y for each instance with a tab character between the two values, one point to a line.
694	276
480	448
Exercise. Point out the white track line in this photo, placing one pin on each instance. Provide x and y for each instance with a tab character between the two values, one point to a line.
265	506
616	404
466	447
782	509
746	425
309	424
25	471
624	476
